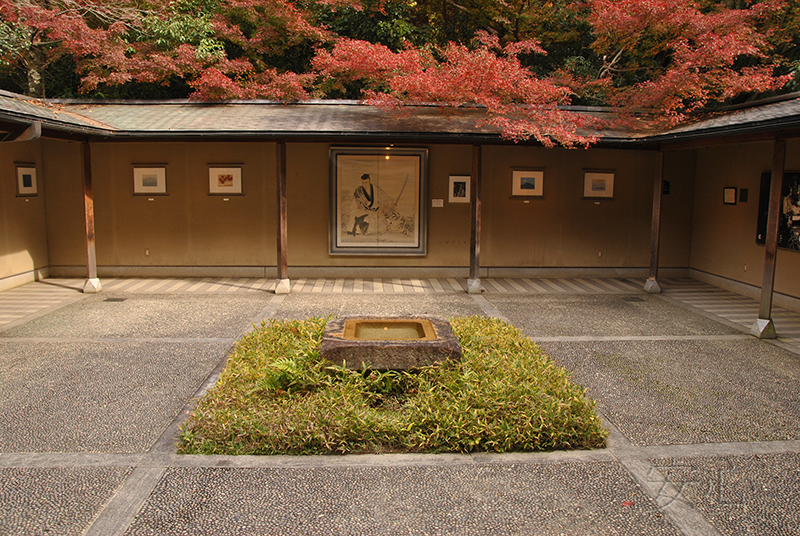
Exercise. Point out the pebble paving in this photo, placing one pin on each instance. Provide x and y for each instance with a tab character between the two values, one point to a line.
703	419
569	498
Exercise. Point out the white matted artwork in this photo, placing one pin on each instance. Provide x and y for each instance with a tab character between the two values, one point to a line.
459	189
225	180
377	201
598	184
149	180
527	182
26	181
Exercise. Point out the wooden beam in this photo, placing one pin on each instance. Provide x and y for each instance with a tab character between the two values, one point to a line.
651	285
92	284
283	285
729	139
474	282
763	327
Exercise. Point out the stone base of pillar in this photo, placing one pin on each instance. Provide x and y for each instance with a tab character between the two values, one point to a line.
473	286
652	286
283	286
764	329
92	286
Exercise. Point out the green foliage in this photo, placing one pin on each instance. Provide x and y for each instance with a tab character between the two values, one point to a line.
276	396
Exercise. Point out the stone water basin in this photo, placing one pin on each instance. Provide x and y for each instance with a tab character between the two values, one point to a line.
384	342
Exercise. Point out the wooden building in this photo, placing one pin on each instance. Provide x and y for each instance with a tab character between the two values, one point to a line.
255	189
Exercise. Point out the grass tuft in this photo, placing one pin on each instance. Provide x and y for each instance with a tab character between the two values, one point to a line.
277	396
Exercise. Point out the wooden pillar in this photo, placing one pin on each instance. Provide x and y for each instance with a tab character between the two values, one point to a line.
651	285
282	286
763	327
92	284
474	281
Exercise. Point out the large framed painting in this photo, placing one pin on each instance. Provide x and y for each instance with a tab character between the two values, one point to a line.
789	228
378	201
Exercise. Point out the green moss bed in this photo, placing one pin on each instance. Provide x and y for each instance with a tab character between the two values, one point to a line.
277	396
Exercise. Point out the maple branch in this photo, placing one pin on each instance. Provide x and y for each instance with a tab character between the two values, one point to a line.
609	67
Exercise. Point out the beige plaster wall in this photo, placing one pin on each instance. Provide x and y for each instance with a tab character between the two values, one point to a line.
23	224
562	228
185	228
64	198
188	228
724	236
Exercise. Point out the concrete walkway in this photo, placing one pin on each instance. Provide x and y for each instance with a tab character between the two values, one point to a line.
704	419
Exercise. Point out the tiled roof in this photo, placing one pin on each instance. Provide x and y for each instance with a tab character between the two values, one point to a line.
265	117
330	119
24	110
765	117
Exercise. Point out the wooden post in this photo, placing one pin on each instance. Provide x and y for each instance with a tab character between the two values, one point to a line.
651	285
474	281
764	327
92	284
283	285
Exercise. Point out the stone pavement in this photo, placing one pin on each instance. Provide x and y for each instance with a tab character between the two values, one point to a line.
704	419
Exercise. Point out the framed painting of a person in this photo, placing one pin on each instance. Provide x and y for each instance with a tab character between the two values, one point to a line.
377	201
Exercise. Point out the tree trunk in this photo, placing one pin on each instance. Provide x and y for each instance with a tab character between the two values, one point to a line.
35	64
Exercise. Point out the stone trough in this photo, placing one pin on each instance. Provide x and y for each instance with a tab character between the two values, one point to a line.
389	342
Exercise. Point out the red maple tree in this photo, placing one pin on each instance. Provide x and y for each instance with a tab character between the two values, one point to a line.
654	60
517	103
36	33
680	56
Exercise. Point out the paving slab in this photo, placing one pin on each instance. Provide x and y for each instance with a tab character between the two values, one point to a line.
596	498
116	315
606	315
678	392
741	494
97	396
299	306
60	500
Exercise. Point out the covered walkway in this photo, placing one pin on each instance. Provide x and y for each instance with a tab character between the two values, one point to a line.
728	307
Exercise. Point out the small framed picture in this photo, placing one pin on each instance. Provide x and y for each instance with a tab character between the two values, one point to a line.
459	189
149	180
729	196
225	180
26	181
527	182
598	184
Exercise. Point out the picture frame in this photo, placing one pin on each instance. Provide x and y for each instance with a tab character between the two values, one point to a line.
598	184
225	179
789	214
729	196
527	182
377	198
149	180
26	181
459	191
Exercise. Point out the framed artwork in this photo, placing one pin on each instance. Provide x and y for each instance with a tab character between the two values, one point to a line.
789	225
527	182
459	189
377	198
729	196
26	181
225	180
149	180
598	184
